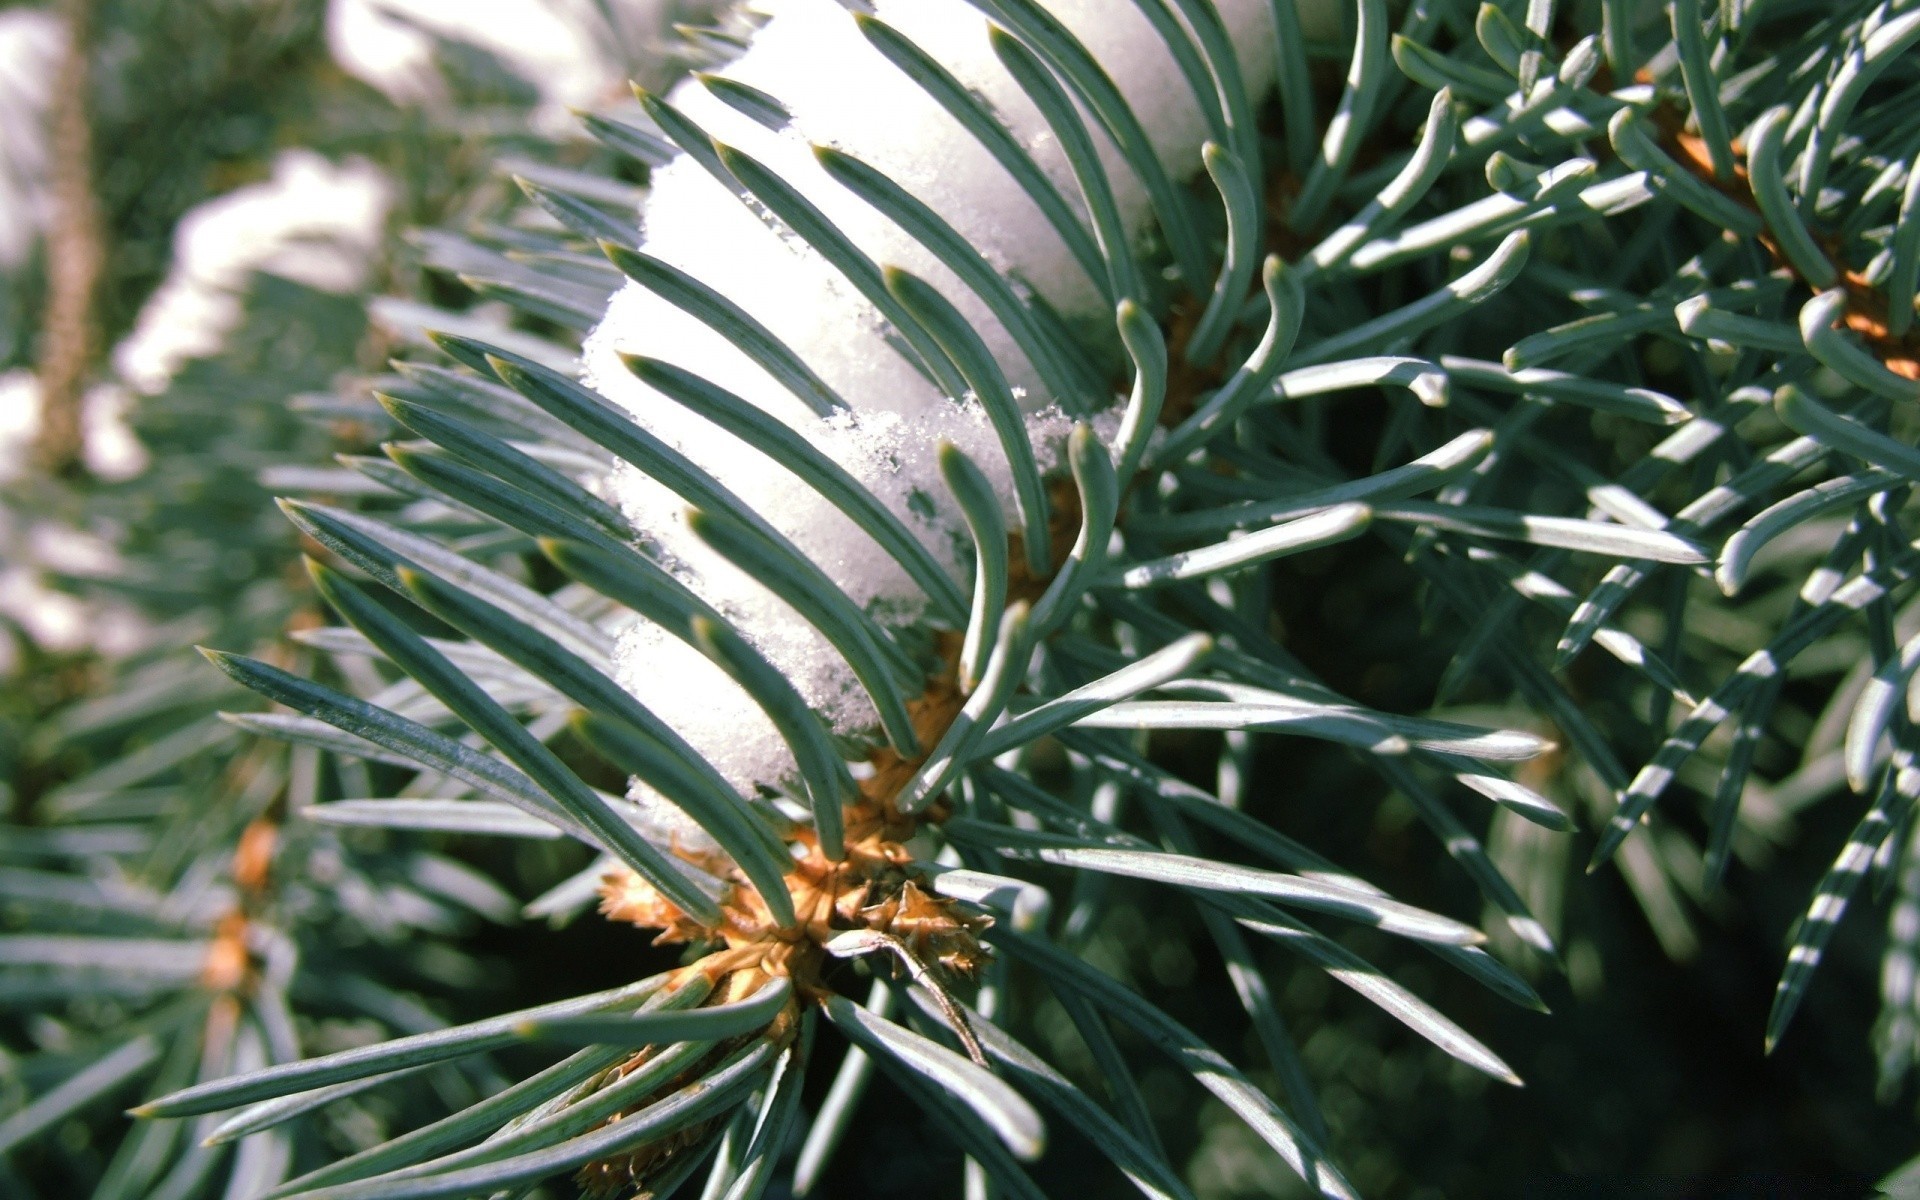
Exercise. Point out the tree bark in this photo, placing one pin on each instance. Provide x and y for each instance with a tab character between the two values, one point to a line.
75	259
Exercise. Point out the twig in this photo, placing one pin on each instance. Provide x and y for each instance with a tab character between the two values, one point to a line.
1866	310
75	258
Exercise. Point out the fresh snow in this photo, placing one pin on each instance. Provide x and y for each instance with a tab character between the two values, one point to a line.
810	55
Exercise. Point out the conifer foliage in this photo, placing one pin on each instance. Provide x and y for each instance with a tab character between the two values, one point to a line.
841	523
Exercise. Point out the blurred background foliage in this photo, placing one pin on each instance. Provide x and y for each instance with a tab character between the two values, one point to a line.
1648	1078
253	163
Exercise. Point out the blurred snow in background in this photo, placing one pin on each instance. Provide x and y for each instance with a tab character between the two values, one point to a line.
112	450
573	52
313	222
317	222
321	222
30	46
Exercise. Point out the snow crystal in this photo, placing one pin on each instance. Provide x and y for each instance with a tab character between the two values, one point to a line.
844	94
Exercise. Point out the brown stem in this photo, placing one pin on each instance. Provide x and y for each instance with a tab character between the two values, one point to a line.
1866	311
75	257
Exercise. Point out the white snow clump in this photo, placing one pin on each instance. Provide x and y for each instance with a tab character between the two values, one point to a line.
844	94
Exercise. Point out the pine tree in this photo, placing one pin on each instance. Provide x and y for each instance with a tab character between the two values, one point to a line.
871	503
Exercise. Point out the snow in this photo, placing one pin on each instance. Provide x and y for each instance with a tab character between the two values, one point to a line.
31	42
19	420
54	620
893	457
111	451
51	619
569	50
313	222
864	106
